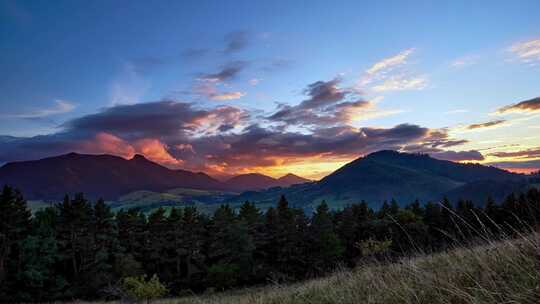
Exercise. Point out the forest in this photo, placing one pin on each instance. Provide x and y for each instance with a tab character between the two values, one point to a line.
80	249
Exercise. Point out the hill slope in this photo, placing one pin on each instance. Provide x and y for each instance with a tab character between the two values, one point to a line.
501	272
104	176
385	175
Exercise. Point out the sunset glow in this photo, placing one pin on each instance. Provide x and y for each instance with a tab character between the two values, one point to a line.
259	94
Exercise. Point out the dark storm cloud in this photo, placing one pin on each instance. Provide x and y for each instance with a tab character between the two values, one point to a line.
531	105
486	124
228	72
236	41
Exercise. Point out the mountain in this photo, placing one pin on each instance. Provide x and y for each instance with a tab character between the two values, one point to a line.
256	181
385	175
96	176
291	179
250	181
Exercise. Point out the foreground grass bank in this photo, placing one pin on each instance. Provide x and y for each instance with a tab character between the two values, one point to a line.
497	272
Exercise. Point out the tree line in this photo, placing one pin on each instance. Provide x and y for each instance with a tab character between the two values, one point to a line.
81	250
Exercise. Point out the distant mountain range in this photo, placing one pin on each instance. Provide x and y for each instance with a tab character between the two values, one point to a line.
110	177
256	181
377	177
387	175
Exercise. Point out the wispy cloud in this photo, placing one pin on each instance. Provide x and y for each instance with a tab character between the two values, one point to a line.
227	96
401	83
228	72
390	62
527	51
236	41
59	107
392	74
531	105
485	125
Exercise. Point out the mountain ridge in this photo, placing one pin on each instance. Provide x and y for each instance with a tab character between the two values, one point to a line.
386	175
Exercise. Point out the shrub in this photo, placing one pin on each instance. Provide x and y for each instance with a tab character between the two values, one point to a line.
139	288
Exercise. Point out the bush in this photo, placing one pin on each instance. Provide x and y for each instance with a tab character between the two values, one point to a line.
139	288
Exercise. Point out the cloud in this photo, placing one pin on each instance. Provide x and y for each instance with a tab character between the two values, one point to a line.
180	135
157	151
156	119
401	83
210	91
471	155
228	72
392	74
531	105
236	41
227	96
527	52
488	124
529	153
327	104
529	164
390	62
60	107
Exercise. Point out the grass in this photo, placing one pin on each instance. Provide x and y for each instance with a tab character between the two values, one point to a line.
506	271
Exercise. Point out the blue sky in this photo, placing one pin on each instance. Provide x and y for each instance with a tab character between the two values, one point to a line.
441	66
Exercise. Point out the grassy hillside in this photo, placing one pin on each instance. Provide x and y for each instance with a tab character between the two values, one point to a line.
496	272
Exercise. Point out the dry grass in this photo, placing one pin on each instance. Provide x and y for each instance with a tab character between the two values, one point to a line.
497	272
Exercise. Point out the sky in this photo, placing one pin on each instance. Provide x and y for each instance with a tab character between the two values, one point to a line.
230	87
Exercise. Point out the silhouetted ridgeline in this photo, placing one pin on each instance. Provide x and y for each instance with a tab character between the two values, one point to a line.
82	250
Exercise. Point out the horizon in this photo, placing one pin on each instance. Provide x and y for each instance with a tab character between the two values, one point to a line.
304	93
224	178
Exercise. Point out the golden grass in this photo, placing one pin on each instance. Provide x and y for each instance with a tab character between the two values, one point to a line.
505	271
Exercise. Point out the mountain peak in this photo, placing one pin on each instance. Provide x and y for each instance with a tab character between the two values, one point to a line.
139	157
292	179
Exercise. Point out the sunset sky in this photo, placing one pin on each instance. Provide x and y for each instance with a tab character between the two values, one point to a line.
230	87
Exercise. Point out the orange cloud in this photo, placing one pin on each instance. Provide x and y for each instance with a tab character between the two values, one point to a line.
155	150
151	148
106	143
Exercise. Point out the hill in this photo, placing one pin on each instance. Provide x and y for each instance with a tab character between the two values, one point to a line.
256	181
96	176
387	175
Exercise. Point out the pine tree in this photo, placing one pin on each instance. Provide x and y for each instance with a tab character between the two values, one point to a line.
39	279
325	247
75	240
14	228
